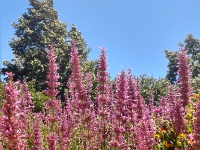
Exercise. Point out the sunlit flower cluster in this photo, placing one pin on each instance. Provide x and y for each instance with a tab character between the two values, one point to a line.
118	119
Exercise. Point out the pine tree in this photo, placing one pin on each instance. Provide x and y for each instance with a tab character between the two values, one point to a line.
35	30
172	65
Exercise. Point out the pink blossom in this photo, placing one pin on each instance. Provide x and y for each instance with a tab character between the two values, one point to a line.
37	144
184	73
52	141
11	125
53	76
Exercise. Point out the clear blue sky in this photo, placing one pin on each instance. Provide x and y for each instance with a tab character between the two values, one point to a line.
134	32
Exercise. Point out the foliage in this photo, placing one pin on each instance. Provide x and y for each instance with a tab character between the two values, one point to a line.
172	66
158	87
35	30
196	84
38	98
2	95
192	45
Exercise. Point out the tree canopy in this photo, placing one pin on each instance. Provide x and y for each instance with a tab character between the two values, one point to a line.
34	31
192	45
158	88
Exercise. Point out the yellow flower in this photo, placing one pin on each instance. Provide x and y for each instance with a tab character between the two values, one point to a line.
157	136
178	144
182	136
188	115
195	97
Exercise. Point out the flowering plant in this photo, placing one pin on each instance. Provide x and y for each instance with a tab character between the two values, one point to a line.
119	119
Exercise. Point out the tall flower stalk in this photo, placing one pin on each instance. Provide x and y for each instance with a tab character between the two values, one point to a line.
144	129
121	113
103	99
83	109
53	76
38	138
77	87
139	101
53	106
131	91
172	99
26	106
11	125
178	119
184	80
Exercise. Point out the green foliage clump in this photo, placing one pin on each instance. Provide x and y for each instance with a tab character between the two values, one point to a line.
196	84
38	98
192	45
2	95
158	87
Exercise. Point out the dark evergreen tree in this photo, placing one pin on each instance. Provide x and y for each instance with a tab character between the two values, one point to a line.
35	30
172	65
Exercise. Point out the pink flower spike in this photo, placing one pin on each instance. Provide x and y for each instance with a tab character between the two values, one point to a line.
184	73
11	125
53	76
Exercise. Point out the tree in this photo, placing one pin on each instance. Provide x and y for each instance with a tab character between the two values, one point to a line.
196	84
192	45
172	66
158	87
35	30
